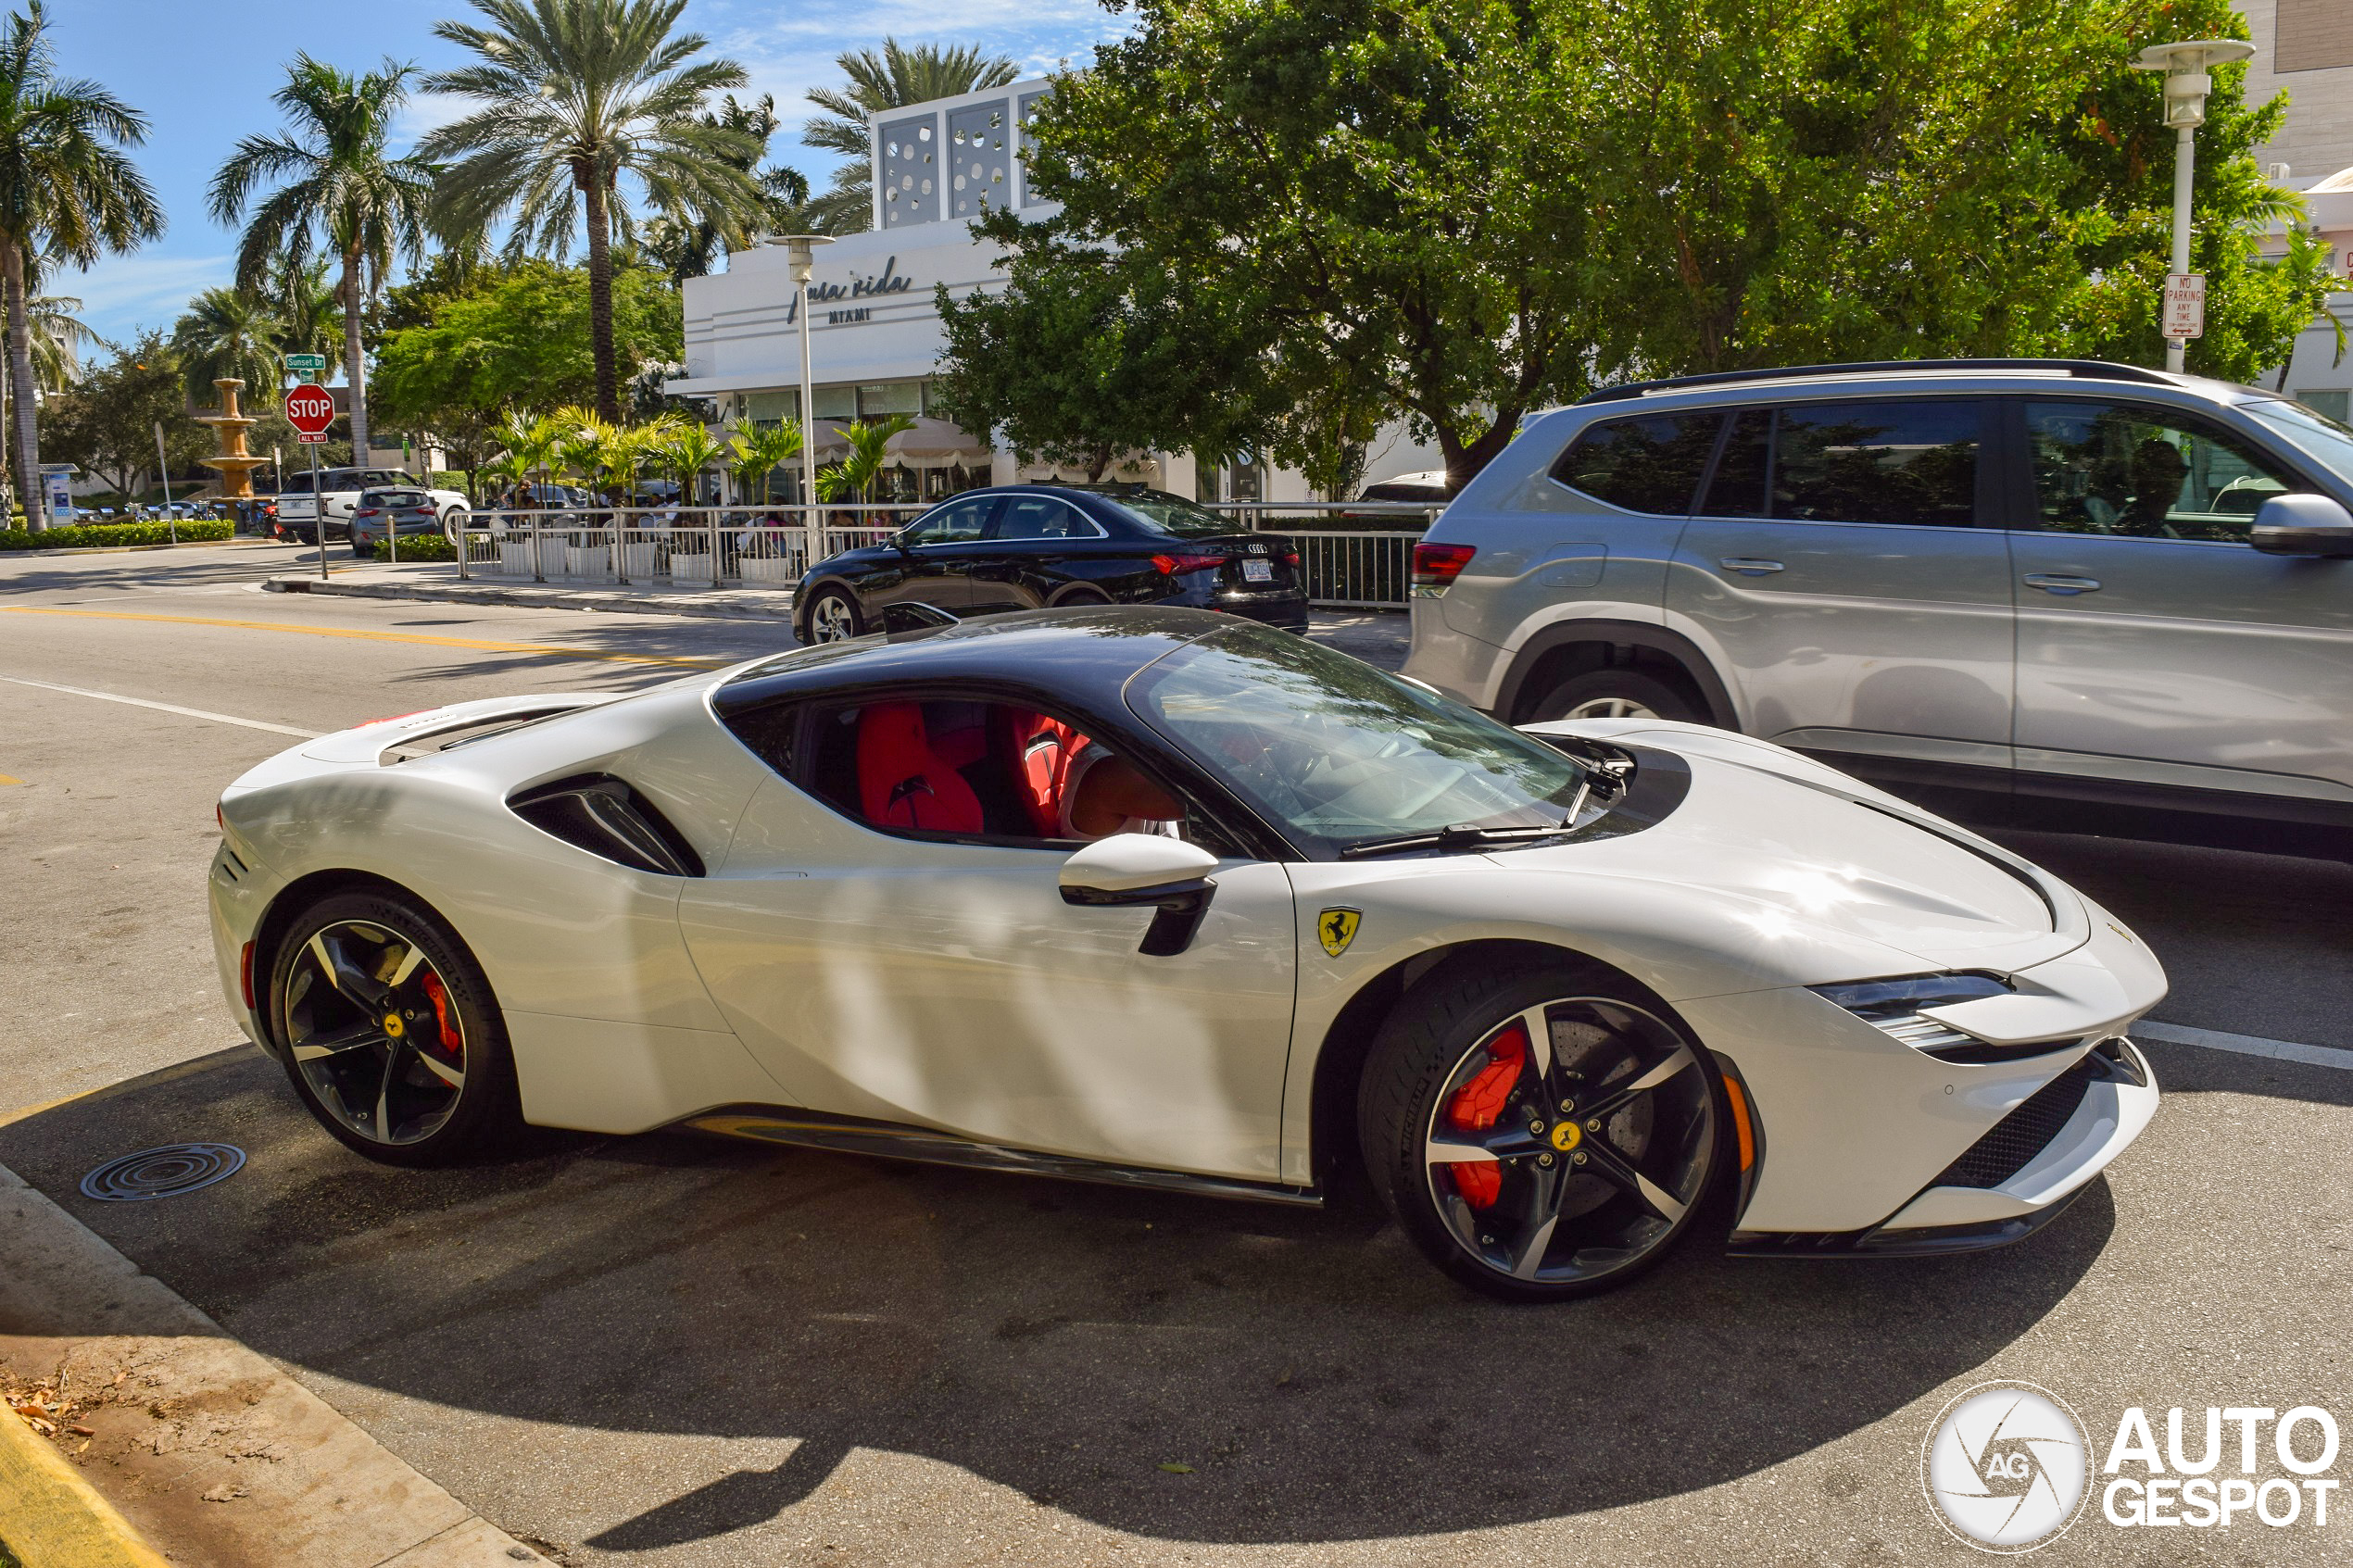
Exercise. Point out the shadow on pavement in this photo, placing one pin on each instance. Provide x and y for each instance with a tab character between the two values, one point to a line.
1320	1380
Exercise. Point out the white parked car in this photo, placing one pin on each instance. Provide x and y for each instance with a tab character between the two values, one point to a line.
338	492
1160	897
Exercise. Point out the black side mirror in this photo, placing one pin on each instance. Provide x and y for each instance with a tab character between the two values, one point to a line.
2303	525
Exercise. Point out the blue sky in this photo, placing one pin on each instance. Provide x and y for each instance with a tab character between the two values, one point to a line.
203	75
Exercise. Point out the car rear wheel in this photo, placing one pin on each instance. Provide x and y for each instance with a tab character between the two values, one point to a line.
833	617
1543	1131
390	1032
1074	598
1616	694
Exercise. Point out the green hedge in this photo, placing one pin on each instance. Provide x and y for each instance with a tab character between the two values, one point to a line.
419	546
113	534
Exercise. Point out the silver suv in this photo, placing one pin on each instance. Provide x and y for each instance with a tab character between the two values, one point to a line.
2043	581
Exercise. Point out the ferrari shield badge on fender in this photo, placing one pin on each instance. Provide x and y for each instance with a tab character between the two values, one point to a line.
1338	929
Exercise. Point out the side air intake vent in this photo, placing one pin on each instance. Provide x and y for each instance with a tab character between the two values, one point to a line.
603	815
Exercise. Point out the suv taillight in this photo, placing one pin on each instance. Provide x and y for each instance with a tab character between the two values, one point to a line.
1437	566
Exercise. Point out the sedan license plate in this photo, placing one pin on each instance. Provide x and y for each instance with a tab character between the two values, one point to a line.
1258	571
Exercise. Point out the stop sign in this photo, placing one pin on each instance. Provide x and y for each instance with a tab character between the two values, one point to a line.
310	409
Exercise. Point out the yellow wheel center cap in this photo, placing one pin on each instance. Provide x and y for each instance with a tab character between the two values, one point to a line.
392	1026
1567	1135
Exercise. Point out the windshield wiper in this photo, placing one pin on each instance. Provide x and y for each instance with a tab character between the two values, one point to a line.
1461	836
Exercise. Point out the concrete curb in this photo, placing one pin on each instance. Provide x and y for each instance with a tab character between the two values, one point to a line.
50	1517
767	607
210	1451
128	549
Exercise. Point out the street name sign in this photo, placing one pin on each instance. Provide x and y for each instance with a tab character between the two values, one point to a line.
310	409
306	365
2185	304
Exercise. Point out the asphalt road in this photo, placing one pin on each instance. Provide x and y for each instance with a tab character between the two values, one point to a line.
679	1351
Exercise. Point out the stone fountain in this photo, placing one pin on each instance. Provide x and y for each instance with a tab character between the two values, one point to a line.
235	464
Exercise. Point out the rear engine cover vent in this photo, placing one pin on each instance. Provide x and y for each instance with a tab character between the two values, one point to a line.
604	816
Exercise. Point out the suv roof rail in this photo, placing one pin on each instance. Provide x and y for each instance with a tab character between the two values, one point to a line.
2090	370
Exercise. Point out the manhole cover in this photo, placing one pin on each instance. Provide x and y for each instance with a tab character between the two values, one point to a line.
162	1173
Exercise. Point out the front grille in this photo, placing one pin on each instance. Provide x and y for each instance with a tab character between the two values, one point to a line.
2023	1134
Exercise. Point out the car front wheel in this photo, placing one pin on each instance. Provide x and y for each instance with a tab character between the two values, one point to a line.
1541	1132
833	617
390	1033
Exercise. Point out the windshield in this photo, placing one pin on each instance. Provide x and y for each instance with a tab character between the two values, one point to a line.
2315	434
1174	514
1338	753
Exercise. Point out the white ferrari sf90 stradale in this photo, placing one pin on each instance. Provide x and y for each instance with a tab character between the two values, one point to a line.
1163	899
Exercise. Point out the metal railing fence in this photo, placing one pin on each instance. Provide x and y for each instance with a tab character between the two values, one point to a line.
1363	568
685	547
1346	568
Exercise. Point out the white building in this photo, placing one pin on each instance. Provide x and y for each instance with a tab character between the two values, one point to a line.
874	331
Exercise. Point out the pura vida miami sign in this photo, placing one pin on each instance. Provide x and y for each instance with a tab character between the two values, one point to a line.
886	281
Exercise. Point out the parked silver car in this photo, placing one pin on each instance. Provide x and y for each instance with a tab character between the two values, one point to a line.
2036	582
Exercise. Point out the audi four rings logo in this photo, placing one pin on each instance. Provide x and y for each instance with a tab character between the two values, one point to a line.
2005	1467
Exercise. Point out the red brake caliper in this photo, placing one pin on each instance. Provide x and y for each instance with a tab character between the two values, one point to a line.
1477	1103
451	1041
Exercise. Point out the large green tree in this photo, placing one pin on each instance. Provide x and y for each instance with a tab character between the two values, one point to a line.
1459	210
579	98
1076	365
69	194
106	424
516	339
897	77
337	190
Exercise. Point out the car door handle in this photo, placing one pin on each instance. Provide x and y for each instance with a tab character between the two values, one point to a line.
1749	565
2051	582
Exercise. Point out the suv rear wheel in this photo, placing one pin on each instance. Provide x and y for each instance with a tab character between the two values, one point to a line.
1616	694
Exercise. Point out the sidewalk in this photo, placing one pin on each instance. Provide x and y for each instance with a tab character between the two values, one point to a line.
1377	636
208	1450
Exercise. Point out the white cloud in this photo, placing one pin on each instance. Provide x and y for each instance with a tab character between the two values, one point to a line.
428	111
123	292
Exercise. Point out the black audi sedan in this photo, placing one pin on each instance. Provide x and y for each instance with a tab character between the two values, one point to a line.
1029	546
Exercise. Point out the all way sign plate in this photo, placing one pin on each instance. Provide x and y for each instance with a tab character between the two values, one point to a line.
2185	304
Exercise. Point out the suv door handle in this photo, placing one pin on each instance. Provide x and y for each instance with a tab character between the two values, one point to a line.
1750	566
2064	586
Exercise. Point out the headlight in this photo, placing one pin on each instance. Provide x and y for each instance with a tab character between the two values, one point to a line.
1893	1007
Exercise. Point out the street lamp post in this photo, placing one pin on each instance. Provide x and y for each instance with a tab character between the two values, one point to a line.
2189	81
800	254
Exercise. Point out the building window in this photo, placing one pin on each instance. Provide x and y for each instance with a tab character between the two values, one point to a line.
834	402
910	172
1242	480
2328	401
979	169
2313	35
886	399
764	408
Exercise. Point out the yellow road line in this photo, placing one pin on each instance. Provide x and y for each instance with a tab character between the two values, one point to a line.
544	650
6	780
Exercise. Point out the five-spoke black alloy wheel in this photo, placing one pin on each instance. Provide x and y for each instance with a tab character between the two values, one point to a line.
388	1031
1542	1133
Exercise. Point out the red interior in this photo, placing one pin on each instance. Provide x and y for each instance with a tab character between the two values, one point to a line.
1042	750
904	781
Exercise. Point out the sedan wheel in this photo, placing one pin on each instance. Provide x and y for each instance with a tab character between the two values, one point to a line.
388	1033
1541	1135
833	617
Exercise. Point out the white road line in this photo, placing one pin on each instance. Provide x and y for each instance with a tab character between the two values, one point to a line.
167	708
2246	1044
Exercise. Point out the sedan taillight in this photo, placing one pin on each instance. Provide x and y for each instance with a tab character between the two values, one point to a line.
1176	566
1437	566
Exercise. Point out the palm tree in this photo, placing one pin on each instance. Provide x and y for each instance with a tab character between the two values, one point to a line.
761	450
68	194
683	453
576	94
853	478
338	188
58	337
688	245
898	77
228	332
308	309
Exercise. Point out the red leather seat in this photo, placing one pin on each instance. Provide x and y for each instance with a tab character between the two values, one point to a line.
1040	751
902	783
